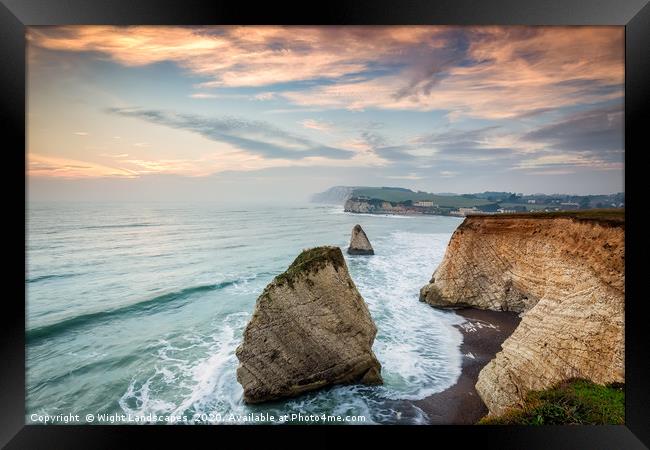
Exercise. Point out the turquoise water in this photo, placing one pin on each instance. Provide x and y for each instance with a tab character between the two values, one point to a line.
138	308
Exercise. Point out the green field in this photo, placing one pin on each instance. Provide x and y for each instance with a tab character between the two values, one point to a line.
529	206
397	195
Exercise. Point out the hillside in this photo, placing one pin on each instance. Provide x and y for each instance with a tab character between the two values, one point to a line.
400	195
396	200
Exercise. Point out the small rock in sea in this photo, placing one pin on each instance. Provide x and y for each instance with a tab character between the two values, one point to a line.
311	328
359	243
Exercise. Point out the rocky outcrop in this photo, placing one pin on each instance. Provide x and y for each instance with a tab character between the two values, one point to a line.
310	328
374	206
359	243
565	275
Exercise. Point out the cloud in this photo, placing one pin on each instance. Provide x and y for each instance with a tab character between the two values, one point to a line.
225	160
256	137
264	96
474	145
500	75
409	176
500	149
469	146
50	166
588	139
372	141
203	95
291	110
489	72
244	56
313	124
188	167
555	161
514	79
396	153
547	172
594	130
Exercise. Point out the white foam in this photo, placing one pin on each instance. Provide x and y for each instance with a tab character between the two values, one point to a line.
418	347
473	325
200	384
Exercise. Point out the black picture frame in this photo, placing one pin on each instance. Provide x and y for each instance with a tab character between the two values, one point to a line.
15	15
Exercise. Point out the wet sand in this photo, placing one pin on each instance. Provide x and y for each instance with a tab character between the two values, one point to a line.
483	334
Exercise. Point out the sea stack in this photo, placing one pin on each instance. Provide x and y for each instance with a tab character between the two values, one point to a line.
310	328
359	243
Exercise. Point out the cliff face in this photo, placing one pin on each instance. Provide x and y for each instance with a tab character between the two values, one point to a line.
310	328
335	195
377	207
564	275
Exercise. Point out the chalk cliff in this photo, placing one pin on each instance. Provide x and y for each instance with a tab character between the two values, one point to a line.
336	195
375	206
310	328
566	276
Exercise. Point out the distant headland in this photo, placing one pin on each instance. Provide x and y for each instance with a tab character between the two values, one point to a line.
402	201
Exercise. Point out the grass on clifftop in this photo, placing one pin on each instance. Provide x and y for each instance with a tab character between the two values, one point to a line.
571	402
311	260
612	216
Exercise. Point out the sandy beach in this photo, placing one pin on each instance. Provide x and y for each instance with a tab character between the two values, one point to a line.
483	334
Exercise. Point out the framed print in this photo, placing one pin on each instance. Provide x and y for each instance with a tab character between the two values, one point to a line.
310	221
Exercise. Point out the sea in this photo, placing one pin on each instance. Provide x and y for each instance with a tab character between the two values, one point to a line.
134	311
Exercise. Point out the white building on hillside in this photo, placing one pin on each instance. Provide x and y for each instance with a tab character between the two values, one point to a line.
465	211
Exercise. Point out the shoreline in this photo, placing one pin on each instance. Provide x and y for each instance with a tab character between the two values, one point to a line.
612	216
483	333
397	214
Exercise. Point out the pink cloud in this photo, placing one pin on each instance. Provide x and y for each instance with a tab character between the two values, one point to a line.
517	76
514	71
318	125
241	56
55	167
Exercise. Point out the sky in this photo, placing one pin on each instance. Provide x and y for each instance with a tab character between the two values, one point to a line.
269	113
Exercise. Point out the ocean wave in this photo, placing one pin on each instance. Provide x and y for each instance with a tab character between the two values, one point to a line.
50	277
203	385
126	225
418	346
230	247
146	306
187	363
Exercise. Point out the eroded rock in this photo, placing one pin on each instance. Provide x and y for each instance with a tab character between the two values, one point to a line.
359	243
566	278
311	328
